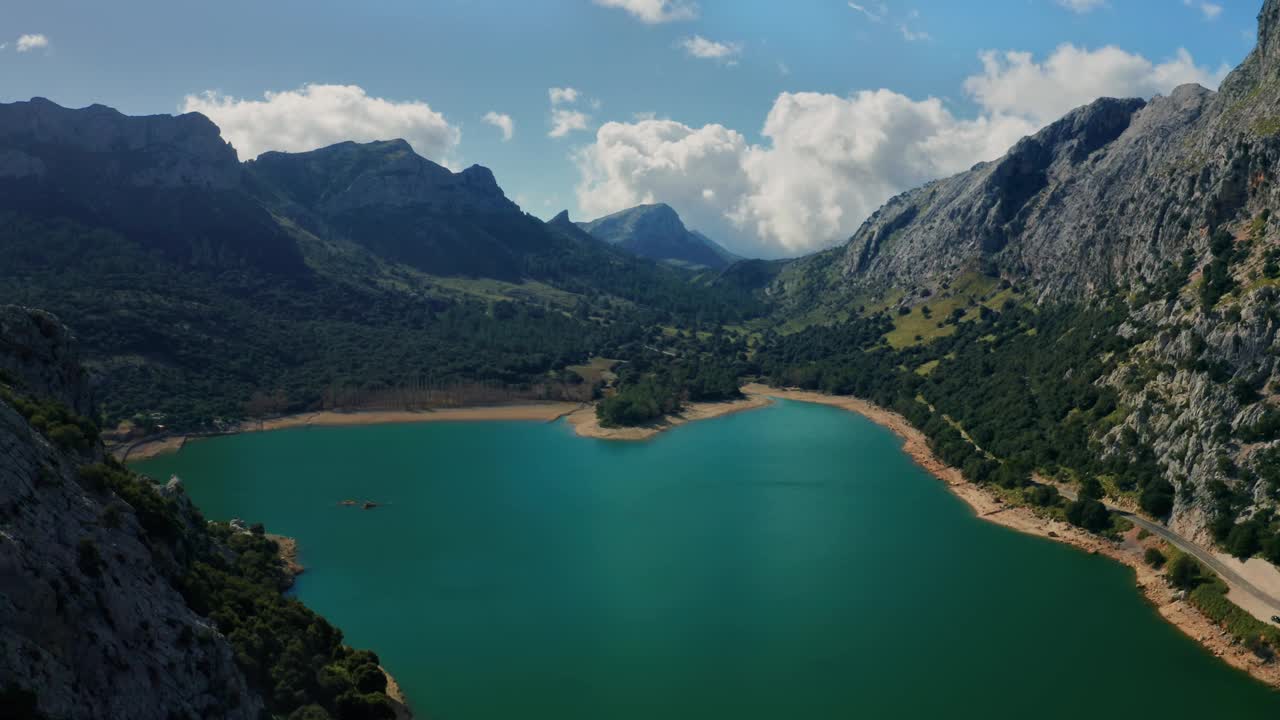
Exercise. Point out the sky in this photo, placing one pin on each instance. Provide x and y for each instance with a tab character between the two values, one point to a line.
775	127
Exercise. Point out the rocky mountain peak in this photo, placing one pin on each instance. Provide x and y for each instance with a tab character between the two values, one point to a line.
656	231
41	139
384	174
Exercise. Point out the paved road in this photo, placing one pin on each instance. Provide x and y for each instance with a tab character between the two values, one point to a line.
1205	556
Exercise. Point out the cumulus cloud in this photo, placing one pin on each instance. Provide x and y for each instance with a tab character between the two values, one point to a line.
1210	10
700	47
828	161
563	95
1082	6
565	120
1013	82
659	160
503	122
314	116
26	43
655	11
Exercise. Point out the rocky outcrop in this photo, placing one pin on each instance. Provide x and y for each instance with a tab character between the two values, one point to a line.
37	353
92	625
658	233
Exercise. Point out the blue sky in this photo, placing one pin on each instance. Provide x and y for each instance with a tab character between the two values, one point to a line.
684	129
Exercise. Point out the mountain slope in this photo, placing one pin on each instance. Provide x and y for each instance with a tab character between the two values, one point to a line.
402	207
118	599
1156	217
657	232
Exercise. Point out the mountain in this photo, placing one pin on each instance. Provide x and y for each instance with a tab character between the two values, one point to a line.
169	183
1136	238
119	599
401	207
657	232
204	290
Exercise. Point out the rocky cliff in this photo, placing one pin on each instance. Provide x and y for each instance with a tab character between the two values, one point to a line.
1164	205
118	600
93	627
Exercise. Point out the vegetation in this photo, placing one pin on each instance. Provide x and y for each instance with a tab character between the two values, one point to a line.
287	652
1154	557
189	348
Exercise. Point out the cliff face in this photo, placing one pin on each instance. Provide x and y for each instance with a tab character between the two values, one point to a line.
1164	205
168	183
93	627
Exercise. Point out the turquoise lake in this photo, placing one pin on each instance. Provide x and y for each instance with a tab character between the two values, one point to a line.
790	562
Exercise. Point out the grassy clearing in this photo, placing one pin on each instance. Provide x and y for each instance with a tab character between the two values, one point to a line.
595	371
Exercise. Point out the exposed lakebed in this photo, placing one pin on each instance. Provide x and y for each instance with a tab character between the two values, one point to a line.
787	562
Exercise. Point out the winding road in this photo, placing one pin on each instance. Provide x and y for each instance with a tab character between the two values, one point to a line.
1264	604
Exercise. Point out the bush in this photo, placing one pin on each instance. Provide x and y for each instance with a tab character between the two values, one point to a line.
1157	498
1245	539
1184	572
1089	514
1154	557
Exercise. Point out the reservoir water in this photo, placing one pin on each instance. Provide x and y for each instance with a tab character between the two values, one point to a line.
790	562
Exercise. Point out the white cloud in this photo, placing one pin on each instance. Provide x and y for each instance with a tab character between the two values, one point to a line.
27	43
314	116
828	161
655	11
700	47
1013	82
913	35
654	160
565	121
1210	10
562	95
831	161
1082	6
875	14
503	122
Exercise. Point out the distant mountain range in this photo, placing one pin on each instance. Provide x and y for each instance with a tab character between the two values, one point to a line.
657	232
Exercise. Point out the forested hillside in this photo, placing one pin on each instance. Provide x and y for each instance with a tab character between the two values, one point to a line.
204	291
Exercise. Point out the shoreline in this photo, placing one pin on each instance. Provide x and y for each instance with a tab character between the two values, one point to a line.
1180	613
586	424
147	448
581	416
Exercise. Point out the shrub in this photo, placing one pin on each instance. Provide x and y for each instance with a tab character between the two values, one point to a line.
1154	557
1089	514
1184	572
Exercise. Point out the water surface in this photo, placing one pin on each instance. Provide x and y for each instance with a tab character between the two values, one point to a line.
785	563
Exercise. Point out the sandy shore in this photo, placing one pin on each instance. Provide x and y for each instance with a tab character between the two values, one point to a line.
585	423
1152	583
539	412
397	697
